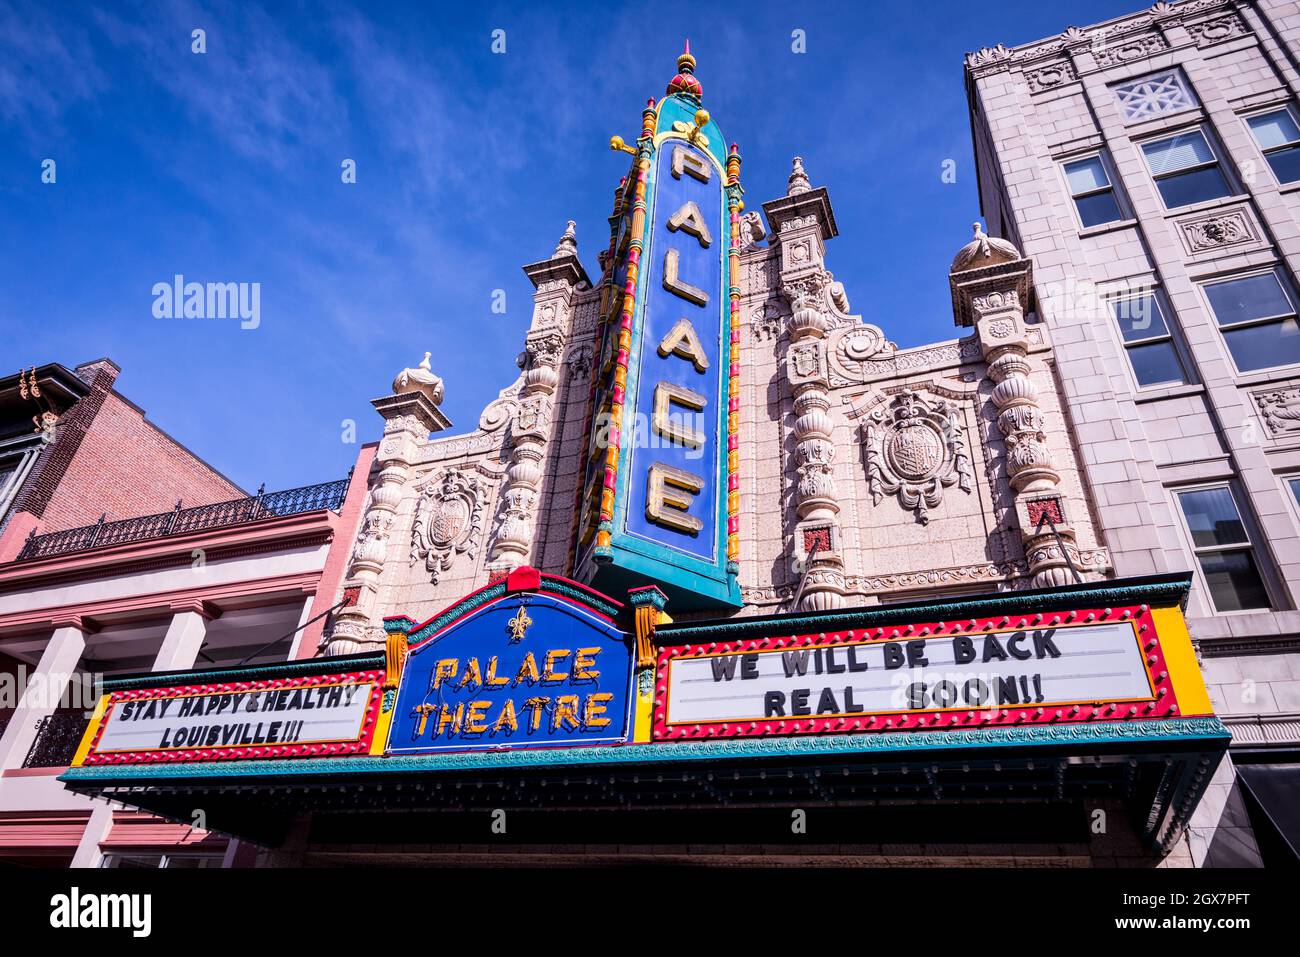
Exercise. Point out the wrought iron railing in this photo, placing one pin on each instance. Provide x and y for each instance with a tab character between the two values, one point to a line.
57	737
309	498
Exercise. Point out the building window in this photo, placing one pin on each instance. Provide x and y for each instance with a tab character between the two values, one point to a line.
1147	340
147	861
1154	96
1091	189
1278	137
1257	319
1223	549
1185	169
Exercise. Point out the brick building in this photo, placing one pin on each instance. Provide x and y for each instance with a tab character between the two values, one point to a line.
123	552
73	449
1149	166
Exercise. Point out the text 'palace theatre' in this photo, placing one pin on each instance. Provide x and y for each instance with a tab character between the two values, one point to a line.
722	574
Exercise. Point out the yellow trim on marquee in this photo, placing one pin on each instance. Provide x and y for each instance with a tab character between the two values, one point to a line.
92	729
1180	659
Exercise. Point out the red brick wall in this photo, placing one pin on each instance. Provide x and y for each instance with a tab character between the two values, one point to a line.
126	467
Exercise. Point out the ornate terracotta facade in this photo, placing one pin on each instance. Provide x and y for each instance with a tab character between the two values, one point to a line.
866	473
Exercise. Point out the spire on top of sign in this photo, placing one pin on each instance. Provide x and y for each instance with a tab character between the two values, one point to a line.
685	81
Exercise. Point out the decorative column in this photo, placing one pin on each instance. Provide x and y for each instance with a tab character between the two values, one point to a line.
556	280
45	687
410	414
804	221
992	286
185	635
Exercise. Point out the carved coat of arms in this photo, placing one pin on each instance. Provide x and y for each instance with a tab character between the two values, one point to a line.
915	449
448	521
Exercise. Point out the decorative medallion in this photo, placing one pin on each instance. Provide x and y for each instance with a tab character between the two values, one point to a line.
448	521
915	449
1230	227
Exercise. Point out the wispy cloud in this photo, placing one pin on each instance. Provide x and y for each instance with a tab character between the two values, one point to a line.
44	68
260	93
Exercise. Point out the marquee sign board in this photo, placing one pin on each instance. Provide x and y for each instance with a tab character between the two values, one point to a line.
1073	666
326	716
525	670
664	500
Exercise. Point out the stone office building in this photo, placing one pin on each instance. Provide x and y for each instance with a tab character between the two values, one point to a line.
1150	167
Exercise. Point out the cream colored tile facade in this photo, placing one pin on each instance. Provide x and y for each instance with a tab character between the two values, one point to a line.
1060	100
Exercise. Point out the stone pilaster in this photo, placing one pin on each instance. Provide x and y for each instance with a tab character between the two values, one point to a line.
556	280
409	417
991	286
803	221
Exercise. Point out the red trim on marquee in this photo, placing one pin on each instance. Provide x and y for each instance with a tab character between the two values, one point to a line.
314	750
521	579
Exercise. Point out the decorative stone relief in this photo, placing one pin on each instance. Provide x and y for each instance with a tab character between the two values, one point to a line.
761	274
807	361
752	230
1113	36
862	355
580	361
498	412
1232	227
1280	409
915	449
765	323
1217	29
798	222
1109	52
448	521
1050	76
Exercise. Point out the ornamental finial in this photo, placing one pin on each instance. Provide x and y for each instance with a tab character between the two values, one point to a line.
685	82
798	182
568	245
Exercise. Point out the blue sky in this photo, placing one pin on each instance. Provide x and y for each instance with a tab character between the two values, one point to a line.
225	167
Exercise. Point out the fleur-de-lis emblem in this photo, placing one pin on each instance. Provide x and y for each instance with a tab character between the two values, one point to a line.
519	624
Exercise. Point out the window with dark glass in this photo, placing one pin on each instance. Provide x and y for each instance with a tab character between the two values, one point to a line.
1092	192
1278	137
1258	321
1147	340
1185	169
1223	549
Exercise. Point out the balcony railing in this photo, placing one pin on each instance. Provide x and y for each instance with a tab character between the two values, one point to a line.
179	520
57	737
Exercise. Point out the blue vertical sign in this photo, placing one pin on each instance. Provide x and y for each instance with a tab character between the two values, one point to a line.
670	504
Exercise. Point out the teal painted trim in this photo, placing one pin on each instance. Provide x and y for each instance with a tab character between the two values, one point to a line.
1208	731
676	106
1159	591
485	596
607	607
462	607
649	595
283	669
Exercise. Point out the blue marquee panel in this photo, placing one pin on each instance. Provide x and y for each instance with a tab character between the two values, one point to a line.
523	671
